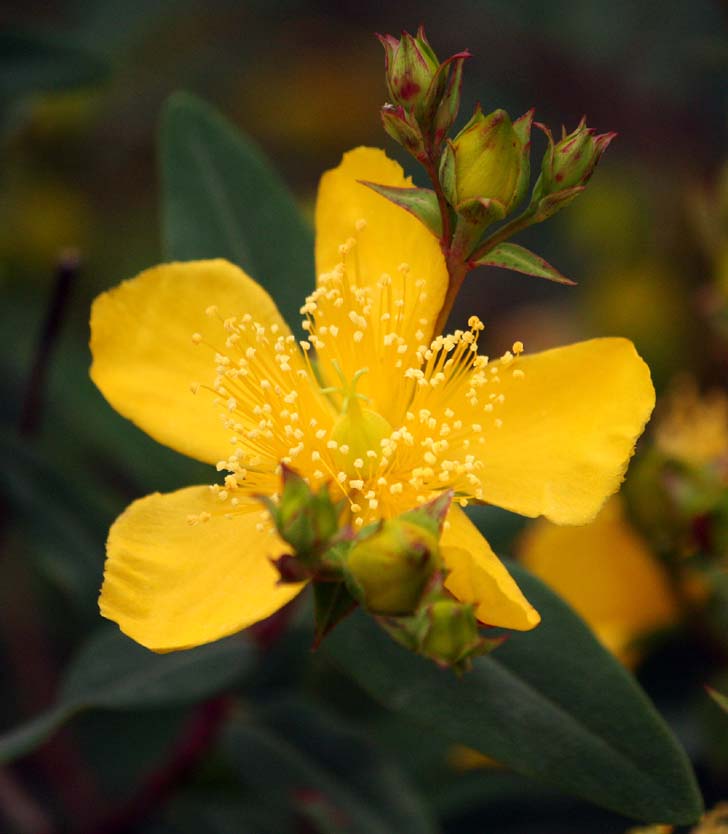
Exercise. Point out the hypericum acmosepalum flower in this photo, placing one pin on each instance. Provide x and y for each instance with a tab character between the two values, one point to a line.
392	416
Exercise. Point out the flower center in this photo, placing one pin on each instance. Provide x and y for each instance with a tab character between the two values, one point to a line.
386	437
357	435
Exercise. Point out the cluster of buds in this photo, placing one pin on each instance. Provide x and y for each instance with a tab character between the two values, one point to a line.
482	174
424	94
392	569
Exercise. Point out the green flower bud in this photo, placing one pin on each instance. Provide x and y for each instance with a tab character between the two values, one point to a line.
452	633
410	66
449	103
304	519
424	94
485	162
572	161
403	129
389	569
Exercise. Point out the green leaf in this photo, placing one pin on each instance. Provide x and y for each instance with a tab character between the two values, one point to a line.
552	704
338	780
519	259
57	517
420	202
34	62
112	672
222	199
25	738
719	698
217	813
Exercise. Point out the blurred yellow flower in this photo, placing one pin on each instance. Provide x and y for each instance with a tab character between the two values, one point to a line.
652	829
607	573
38	219
693	428
386	414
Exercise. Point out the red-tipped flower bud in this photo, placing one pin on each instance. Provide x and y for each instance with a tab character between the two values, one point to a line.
403	129
410	66
571	161
424	94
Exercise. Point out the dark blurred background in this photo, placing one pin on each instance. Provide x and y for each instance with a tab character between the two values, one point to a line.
78	178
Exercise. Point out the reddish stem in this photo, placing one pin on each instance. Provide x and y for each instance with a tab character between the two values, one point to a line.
66	273
187	753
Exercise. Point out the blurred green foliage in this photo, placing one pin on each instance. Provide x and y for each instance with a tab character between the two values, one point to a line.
228	738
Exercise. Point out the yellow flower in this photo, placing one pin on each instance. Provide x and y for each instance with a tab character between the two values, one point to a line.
693	428
389	416
608	574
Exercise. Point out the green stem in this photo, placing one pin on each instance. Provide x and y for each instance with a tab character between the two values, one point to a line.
457	267
430	165
516	225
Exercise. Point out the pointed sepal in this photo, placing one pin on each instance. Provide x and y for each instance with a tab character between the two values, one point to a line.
553	203
432	515
481	212
522	129
519	259
332	602
449	106
421	202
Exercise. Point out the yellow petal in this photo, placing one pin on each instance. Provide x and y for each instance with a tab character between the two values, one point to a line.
144	360
568	429
607	573
171	585
392	236
478	576
389	238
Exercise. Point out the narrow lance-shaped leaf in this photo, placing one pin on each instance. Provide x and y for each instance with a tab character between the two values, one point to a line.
552	704
421	202
331	772
519	259
112	672
222	199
